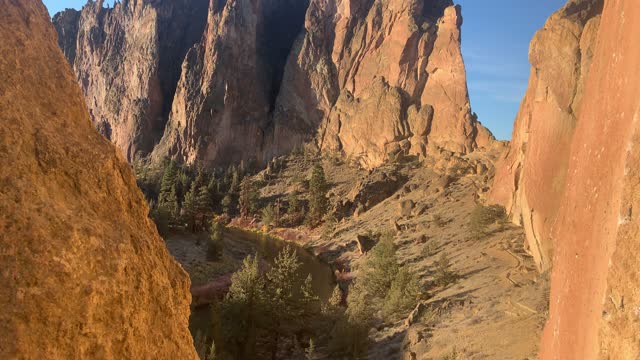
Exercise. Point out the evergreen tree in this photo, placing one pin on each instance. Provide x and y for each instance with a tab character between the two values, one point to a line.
216	237
183	184
269	216
189	207
403	295
349	336
168	206
248	200
234	179
317	195
444	275
294	210
243	310
290	296
381	266
168	181
227	203
203	201
212	190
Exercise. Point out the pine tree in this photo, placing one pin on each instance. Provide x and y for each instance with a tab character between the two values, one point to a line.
444	275
403	295
381	266
317	195
310	352
183	184
243	310
168	207
189	207
234	178
168	179
227	203
248	200
212	190
203	200
216	236
269	216
290	296
294	209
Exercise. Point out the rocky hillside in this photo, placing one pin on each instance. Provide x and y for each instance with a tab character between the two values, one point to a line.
576	197
84	272
267	76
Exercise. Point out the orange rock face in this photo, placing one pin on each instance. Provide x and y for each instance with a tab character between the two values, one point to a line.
595	298
570	176
84	273
531	177
370	77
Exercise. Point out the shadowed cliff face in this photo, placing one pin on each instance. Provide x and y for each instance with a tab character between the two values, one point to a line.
127	60
84	272
222	107
571	177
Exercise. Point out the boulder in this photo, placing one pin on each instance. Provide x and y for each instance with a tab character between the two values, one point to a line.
405	208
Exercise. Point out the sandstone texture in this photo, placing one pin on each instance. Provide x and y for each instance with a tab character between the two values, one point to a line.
531	177
85	274
372	78
127	61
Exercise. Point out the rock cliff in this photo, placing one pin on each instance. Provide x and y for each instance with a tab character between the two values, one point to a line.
571	177
271	75
531	177
371	78
221	111
85	274
594	293
127	61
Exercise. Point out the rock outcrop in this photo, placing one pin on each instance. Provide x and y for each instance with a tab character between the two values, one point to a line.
84	273
571	175
595	301
221	111
531	178
371	78
127	61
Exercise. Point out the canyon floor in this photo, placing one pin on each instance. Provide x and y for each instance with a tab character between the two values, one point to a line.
497	308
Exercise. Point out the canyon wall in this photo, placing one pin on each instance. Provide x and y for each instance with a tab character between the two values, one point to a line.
570	177
221	111
127	61
530	179
366	78
373	78
595	298
84	272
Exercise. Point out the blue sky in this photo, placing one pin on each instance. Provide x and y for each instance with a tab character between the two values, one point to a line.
57	5
495	46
